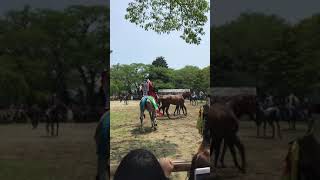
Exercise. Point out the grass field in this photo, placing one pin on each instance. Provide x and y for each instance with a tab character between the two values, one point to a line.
27	154
179	139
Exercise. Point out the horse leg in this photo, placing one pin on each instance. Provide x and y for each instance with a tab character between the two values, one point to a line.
264	127
57	130
141	120
294	122
217	145
270	122
167	111
151	119
154	119
278	128
52	128
47	126
185	108
258	127
310	125
241	149
223	154
230	143
176	110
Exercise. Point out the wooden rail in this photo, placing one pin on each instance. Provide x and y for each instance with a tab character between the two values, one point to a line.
179	166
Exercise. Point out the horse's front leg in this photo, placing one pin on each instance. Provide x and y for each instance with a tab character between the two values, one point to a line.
52	128
264	127
47	125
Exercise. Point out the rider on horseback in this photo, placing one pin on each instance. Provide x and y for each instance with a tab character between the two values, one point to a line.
149	90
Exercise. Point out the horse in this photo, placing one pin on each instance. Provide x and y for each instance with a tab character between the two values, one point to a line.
222	124
54	115
146	104
35	114
200	160
244	105
177	100
188	95
268	115
124	98
194	100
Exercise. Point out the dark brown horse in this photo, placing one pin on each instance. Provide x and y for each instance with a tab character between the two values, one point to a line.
54	115
167	100
243	105
200	160
221	124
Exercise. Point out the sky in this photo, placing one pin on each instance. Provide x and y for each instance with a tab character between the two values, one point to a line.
6	5
223	11
130	43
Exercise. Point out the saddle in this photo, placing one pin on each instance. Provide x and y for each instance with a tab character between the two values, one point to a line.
144	101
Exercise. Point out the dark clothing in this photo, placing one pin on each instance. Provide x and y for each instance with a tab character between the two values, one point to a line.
309	161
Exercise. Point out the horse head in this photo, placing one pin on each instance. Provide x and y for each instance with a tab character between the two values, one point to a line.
200	160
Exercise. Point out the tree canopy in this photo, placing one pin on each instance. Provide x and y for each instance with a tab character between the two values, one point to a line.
165	16
128	78
45	51
265	51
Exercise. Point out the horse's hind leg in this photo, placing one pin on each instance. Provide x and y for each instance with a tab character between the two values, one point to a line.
141	120
233	153
154	120
240	146
223	154
216	145
176	110
184	107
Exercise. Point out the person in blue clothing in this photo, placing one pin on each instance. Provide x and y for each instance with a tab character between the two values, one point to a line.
102	138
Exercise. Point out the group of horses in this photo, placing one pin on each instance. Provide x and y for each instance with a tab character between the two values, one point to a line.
52	115
221	123
164	103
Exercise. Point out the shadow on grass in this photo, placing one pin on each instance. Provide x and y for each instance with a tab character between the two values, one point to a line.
160	148
137	131
171	117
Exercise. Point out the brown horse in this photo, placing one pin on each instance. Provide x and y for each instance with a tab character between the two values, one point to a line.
152	112
243	105
222	124
200	160
177	100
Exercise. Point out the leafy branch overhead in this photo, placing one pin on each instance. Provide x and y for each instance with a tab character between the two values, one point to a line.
165	16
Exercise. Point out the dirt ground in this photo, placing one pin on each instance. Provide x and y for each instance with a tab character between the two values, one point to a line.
27	154
179	139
